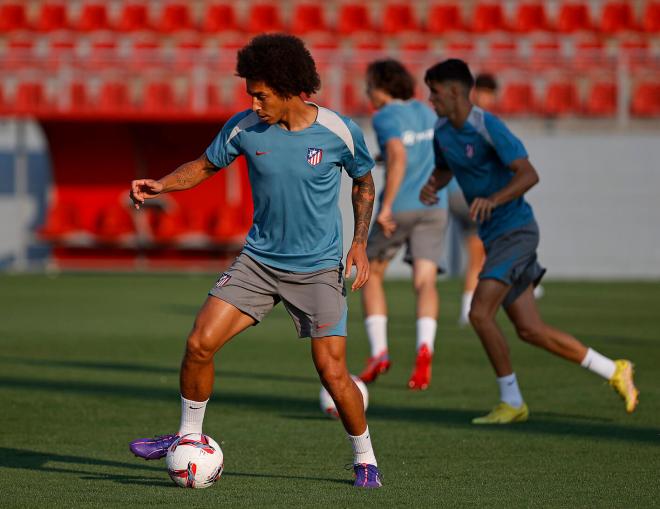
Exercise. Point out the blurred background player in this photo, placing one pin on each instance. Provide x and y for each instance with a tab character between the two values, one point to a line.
404	129
295	151
484	95
492	167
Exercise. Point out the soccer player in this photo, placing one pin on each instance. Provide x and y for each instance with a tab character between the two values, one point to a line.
404	129
494	172
295	151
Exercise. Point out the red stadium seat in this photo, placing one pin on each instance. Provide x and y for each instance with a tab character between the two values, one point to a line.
133	17
77	100
52	17
114	225
114	98
651	17
443	18
146	52
488	17
229	225
264	18
546	54
12	17
103	52
175	18
30	98
239	99
517	99
399	17
93	17
589	53
19	52
561	98
308	18
646	100
166	226
354	18
503	50
210	102
573	17
531	17
460	48
220	18
61	222
617	17
159	96
601	100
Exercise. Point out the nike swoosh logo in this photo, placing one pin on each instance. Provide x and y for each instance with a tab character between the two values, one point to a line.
323	326
260	153
195	407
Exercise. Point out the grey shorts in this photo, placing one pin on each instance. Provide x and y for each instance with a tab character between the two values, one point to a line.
316	301
460	211
512	259
422	231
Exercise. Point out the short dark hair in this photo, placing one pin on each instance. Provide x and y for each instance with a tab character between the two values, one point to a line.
485	80
452	69
391	76
282	62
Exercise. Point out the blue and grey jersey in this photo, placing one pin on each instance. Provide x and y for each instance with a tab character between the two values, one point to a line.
411	122
479	155
295	179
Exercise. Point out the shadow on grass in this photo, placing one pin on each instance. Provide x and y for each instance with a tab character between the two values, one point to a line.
39	462
552	424
159	370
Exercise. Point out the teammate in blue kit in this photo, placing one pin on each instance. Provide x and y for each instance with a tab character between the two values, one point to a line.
494	172
404	129
295	151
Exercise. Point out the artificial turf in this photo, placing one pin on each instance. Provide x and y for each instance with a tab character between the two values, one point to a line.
89	362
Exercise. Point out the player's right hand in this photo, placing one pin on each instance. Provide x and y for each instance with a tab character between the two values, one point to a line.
428	195
386	222
144	189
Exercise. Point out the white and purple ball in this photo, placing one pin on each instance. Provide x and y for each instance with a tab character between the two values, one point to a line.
195	461
328	405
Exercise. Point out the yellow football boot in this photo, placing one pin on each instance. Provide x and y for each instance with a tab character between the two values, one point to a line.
622	382
504	413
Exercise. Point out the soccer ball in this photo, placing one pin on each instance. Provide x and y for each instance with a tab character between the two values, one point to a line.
195	461
328	405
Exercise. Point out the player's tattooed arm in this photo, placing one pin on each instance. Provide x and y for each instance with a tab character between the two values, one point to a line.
184	177
363	203
363	196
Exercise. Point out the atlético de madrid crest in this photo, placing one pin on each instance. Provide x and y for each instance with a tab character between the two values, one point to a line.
314	156
469	150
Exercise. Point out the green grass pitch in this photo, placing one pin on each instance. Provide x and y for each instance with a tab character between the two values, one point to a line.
89	362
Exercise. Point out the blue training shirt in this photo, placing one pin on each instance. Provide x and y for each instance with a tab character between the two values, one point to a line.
412	122
479	155
295	179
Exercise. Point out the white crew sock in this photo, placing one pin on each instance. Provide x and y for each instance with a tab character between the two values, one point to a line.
192	416
466	303
363	452
599	364
376	326
426	327
509	390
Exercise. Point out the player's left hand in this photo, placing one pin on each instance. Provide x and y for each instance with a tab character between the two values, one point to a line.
386	222
357	256
481	209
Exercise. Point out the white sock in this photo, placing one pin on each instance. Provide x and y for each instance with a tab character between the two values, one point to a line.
363	452
192	416
599	364
376	326
426	327
509	390
466	303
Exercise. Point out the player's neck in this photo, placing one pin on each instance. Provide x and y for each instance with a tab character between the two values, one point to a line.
299	115
459	116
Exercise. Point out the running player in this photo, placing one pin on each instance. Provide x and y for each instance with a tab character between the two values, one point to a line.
295	151
494	172
404	129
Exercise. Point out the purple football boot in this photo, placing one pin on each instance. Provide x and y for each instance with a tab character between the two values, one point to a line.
366	476
152	448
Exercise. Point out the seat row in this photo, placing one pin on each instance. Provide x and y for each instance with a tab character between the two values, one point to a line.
117	99
486	16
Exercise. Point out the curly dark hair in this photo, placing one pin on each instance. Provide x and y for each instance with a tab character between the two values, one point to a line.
282	62
391	76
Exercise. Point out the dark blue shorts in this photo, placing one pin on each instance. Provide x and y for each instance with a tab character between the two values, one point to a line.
511	258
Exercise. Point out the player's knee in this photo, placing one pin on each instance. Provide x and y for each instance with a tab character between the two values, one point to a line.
531	333
333	376
199	347
423	285
479	316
